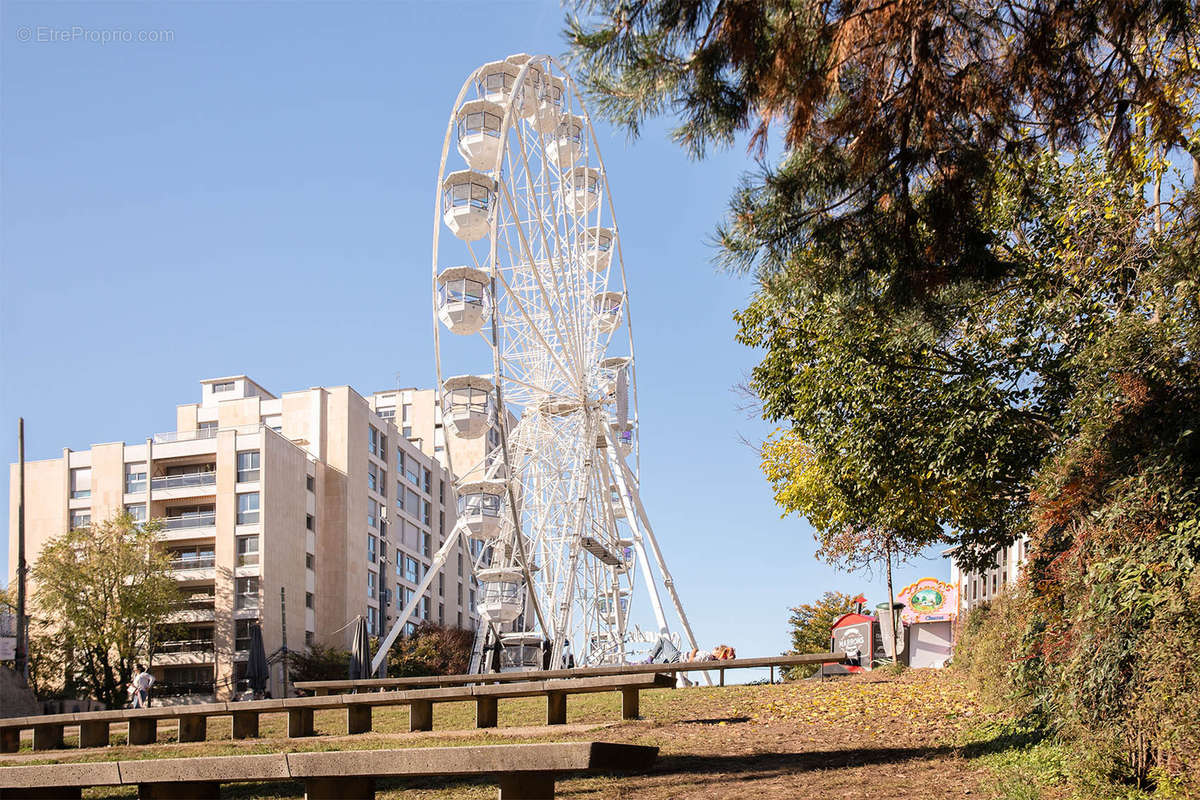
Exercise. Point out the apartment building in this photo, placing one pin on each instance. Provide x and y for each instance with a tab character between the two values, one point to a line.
310	501
975	588
418	414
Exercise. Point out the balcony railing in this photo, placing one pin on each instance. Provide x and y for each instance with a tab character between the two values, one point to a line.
193	563
184	481
205	520
184	436
187	646
202	603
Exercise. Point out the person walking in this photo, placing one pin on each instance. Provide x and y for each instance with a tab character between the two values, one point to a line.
142	681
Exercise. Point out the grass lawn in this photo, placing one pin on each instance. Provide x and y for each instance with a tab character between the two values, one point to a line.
876	736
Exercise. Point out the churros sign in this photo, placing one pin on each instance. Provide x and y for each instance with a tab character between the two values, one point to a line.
929	600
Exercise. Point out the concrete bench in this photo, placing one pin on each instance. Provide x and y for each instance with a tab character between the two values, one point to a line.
48	731
420	701
523	771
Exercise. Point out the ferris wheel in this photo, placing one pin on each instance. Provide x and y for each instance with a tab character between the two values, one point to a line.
539	369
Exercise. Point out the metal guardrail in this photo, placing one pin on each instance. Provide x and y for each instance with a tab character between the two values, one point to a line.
187	646
193	563
772	662
184	481
206	520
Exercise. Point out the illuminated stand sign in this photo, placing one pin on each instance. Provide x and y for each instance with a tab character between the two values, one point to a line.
930	608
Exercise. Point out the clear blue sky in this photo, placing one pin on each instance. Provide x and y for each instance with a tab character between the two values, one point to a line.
286	153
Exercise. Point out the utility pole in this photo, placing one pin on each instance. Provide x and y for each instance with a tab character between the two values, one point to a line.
283	632
22	625
892	603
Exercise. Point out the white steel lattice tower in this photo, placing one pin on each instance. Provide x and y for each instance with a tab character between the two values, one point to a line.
532	282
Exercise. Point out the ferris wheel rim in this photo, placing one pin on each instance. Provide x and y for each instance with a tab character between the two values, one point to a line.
493	268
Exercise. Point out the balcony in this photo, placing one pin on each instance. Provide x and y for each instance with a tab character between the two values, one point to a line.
187	646
206	519
188	481
184	436
202	562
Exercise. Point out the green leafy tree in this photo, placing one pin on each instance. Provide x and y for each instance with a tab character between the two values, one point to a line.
905	338
977	302
812	624
102	600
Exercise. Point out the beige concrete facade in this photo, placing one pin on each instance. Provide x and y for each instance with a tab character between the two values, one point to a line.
313	494
976	588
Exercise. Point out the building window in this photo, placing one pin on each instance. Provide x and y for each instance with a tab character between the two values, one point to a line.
137	511
371	547
399	461
373	440
309	522
308	600
223	386
399	496
310	561
81	518
247	592
310	483
424	608
247	550
372	622
247	508
412	571
412	503
241	635
426	512
387	413
441	523
441	614
135	477
428	482
460	570
372	513
406	431
373	477
247	466
81	483
372	584
441	584
310	638
383	481
382	525
412	471
206	430
427	545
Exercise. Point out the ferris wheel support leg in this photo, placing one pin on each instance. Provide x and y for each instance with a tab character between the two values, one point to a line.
638	545
439	560
621	471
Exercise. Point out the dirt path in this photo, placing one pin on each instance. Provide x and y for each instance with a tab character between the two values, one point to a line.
873	736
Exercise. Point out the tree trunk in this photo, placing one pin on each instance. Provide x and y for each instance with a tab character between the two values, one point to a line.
892	606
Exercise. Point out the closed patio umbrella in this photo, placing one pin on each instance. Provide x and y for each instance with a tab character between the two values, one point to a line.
360	652
256	669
